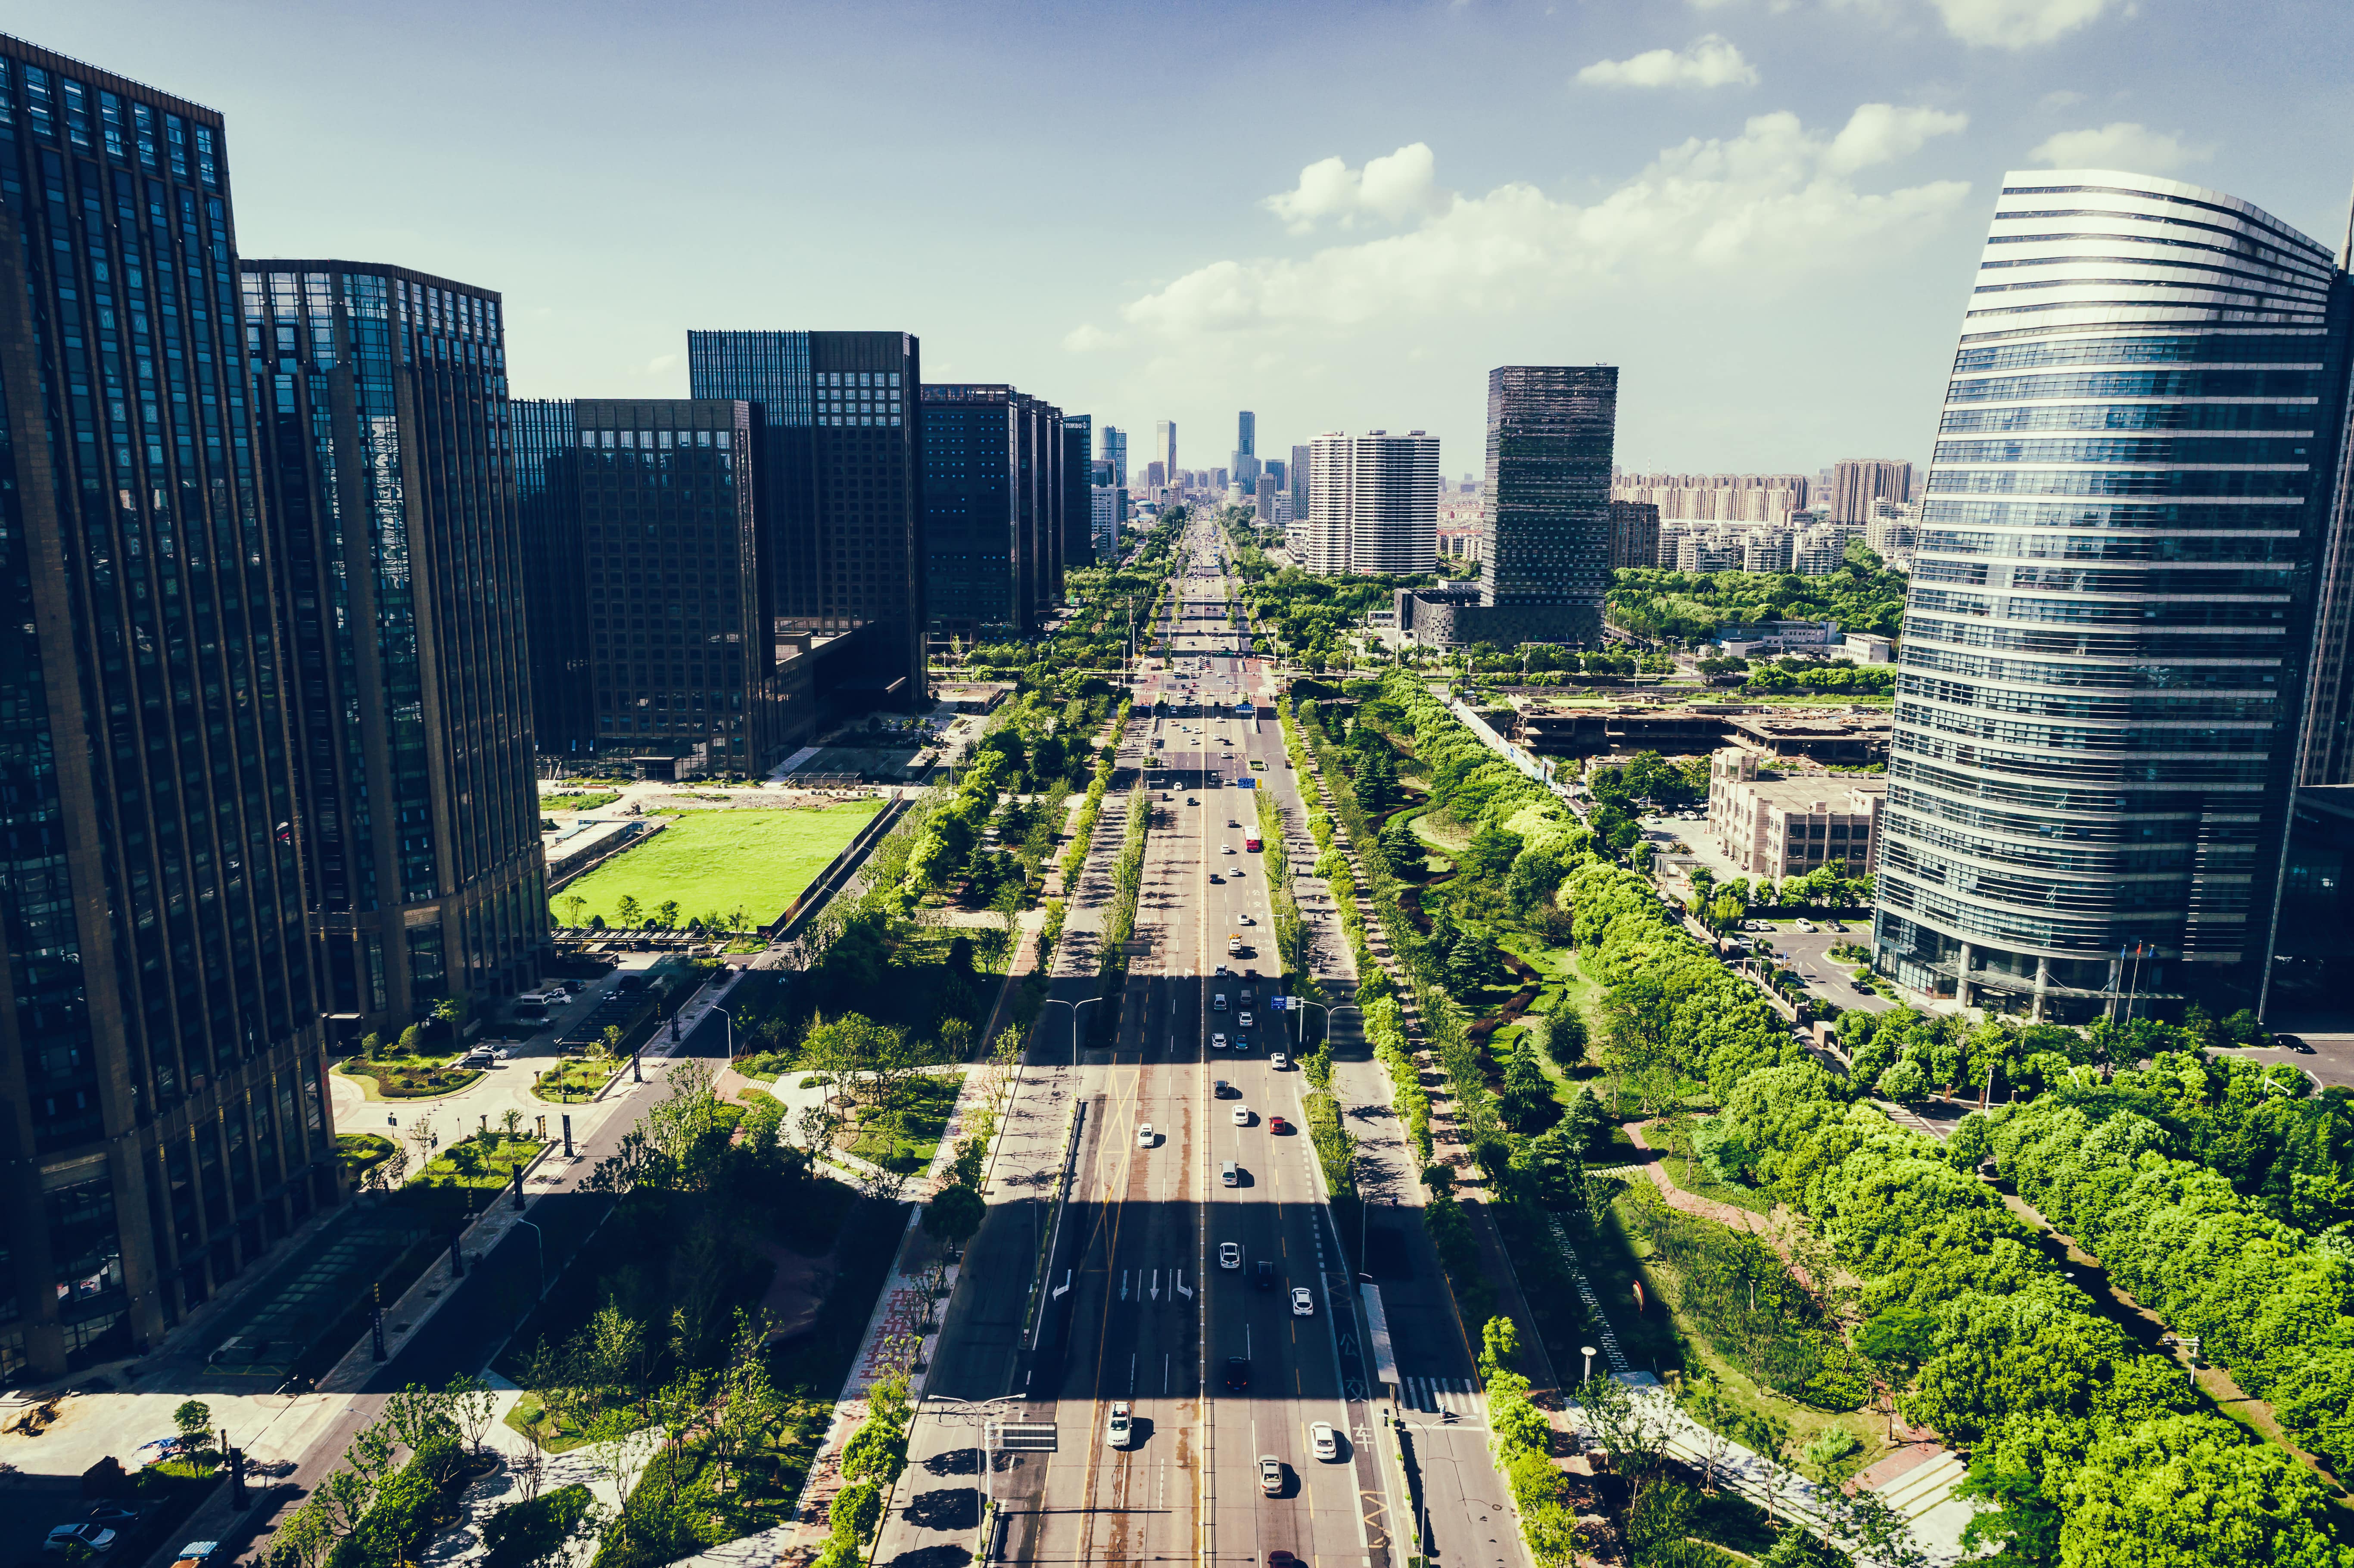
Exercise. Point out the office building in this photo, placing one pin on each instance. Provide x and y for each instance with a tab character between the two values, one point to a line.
841	480
1778	826
1276	470
1246	466
162	1070
1296	478
1156	476
389	495
682	658
1078	509
991	509
2107	637
1262	500
1374	504
1115	452
1164	447
1545	518
1634	533
556	584
1857	482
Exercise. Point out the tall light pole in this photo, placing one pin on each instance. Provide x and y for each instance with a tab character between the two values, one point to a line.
1074	1006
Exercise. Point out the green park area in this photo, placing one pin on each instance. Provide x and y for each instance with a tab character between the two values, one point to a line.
711	864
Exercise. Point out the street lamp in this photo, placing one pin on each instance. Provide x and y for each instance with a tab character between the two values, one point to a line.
985	1411
1074	1006
537	1236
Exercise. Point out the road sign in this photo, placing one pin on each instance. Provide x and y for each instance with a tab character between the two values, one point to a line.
1023	1436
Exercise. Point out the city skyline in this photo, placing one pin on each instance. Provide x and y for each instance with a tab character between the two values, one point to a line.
1850	325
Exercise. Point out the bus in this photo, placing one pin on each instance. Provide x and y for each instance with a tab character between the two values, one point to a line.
1250	841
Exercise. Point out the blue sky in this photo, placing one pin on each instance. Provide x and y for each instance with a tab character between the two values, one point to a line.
1767	212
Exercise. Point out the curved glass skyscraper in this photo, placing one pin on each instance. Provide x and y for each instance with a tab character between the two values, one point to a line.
2109	627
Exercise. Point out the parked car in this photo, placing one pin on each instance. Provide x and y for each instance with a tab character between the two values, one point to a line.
96	1537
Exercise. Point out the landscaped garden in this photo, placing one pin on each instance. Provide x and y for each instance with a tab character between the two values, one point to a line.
708	866
572	805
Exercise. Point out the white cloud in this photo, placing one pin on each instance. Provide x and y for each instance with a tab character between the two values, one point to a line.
2016	23
1776	199
660	364
1400	186
1707	61
1881	134
1089	339
2121	145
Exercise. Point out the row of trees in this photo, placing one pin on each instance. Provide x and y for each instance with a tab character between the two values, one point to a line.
630	915
1691	607
1954	1298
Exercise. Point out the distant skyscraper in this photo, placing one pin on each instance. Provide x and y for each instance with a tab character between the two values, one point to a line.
162	1078
1273	468
1164	447
1245	468
1297	474
1857	482
1262	500
382	394
2107	638
1634	533
1156	475
680	677
1374	504
839	451
1115	451
1544	535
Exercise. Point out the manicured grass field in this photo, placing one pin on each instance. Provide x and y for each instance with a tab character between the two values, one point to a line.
712	862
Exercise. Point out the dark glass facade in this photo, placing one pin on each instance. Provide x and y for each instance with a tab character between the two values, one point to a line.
998	481
1544	537
681	655
160	1054
841	477
390	490
555	582
1077	507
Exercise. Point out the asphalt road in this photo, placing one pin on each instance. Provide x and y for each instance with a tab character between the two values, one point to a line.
1123	1297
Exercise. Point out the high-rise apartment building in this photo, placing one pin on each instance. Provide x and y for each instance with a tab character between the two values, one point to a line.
162	1071
1634	533
1156	475
1164	447
1373	504
1857	482
2108	633
389	495
555	582
681	657
1296	478
1115	452
842	477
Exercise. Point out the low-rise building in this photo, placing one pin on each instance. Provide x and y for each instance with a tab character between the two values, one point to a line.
1773	826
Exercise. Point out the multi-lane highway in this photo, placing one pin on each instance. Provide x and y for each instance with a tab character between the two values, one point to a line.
1193	1280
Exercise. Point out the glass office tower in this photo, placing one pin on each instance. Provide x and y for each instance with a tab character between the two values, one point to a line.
976	551
161	1070
841	476
382	401
1544	515
2108	632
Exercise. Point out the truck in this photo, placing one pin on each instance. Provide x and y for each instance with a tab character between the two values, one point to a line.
1250	841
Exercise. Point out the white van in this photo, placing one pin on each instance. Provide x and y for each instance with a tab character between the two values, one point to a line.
1230	1174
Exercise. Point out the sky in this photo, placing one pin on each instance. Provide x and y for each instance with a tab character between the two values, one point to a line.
1765	212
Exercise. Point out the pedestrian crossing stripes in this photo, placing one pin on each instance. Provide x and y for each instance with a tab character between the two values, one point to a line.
1434	1394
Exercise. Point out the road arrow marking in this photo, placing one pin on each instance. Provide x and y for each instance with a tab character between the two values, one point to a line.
1183	1288
1123	1285
1156	1285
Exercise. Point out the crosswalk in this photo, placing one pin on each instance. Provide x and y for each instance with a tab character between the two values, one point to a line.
1434	1394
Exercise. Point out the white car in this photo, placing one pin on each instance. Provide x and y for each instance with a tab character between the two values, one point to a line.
1244	1021
1322	1441
1806	926
1225	848
96	1537
1144	1135
1303	1305
1242	1116
1121	1428
1278	1061
1217	1041
1230	1255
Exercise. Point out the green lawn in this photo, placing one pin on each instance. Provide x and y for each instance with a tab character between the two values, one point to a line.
714	862
564	805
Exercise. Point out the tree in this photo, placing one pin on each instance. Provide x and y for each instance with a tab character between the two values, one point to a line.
1714	1409
1500	1346
954	1215
572	907
370	1044
667	914
473	1406
193	1420
627	910
1565	1037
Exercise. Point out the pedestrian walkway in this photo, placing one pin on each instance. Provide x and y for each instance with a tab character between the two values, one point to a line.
1458	1396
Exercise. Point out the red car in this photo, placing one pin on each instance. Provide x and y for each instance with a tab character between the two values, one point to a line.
1278	1126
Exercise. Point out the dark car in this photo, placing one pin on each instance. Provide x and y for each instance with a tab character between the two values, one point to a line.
1237	1372
1264	1276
